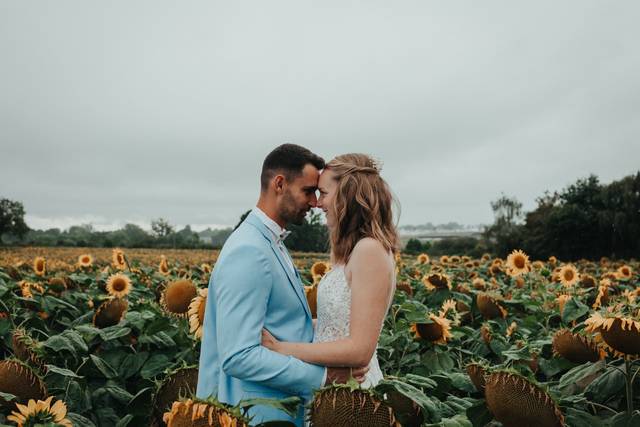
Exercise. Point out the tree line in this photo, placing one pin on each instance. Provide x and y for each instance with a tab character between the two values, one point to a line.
587	219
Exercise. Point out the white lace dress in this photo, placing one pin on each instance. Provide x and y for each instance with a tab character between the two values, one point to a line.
334	313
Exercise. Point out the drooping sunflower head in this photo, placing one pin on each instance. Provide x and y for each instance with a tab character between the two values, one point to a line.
119	285
437	281
437	330
177	385
518	263
163	267
118	259
569	275
619	332
575	347
41	412
177	297
196	412
489	305
423	259
110	312
27	349
85	261
513	400
196	313
21	380
40	266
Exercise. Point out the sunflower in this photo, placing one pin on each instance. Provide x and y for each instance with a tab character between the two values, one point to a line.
621	333
319	269
118	259
625	272
562	300
423	259
553	261
444	259
512	328
518	263
437	331
437	281
40	266
177	297
479	283
202	412
119	285
206	268
41	412
196	312
569	275
85	261
163	267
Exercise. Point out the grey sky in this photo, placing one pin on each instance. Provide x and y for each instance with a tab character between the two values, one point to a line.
114	112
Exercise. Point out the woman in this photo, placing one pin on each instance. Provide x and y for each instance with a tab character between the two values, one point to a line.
354	297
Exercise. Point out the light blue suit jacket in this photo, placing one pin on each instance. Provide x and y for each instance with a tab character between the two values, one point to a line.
251	288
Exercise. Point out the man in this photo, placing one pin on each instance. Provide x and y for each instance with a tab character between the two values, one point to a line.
255	285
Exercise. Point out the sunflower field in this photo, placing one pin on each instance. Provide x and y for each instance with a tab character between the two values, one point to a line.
104	337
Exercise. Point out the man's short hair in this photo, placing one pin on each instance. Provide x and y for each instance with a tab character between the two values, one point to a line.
289	160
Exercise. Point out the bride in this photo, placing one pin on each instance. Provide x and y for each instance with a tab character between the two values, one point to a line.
353	297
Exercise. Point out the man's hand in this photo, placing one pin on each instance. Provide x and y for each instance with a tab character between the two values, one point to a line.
342	375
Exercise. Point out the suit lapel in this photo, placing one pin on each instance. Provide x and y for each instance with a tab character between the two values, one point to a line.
294	279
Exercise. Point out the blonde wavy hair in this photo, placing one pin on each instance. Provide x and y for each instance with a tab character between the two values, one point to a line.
362	205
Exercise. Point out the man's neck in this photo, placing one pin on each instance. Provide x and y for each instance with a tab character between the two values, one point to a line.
270	210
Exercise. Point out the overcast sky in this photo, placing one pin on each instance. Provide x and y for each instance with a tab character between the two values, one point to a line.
125	111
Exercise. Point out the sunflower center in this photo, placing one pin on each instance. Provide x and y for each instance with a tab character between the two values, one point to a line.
568	275
519	262
119	285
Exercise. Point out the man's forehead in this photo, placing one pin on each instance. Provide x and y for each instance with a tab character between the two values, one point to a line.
309	176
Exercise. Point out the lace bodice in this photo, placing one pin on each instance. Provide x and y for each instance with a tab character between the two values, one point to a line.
334	313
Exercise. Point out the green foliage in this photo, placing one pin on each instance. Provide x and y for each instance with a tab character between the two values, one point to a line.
585	220
12	219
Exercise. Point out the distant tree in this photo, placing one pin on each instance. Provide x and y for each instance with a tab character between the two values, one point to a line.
505	233
414	247
12	218
311	236
161	227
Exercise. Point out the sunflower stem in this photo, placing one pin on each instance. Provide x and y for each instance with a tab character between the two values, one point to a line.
629	380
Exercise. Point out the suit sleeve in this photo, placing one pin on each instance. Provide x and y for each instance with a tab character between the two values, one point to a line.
242	292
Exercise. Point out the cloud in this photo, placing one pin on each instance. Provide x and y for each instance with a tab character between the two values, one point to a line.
165	111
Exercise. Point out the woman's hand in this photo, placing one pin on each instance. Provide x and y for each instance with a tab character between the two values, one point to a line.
269	340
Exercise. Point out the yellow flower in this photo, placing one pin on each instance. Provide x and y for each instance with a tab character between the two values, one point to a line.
423	259
119	285
40	412
625	272
196	313
569	275
40	266
85	261
518	263
118	259
164	266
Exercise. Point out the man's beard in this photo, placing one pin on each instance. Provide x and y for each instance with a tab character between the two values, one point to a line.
288	211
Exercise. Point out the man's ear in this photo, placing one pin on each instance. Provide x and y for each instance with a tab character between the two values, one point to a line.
279	184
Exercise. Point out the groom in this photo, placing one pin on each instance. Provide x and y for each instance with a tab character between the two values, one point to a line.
254	285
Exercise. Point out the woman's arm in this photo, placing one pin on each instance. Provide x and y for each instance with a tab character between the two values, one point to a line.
371	285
